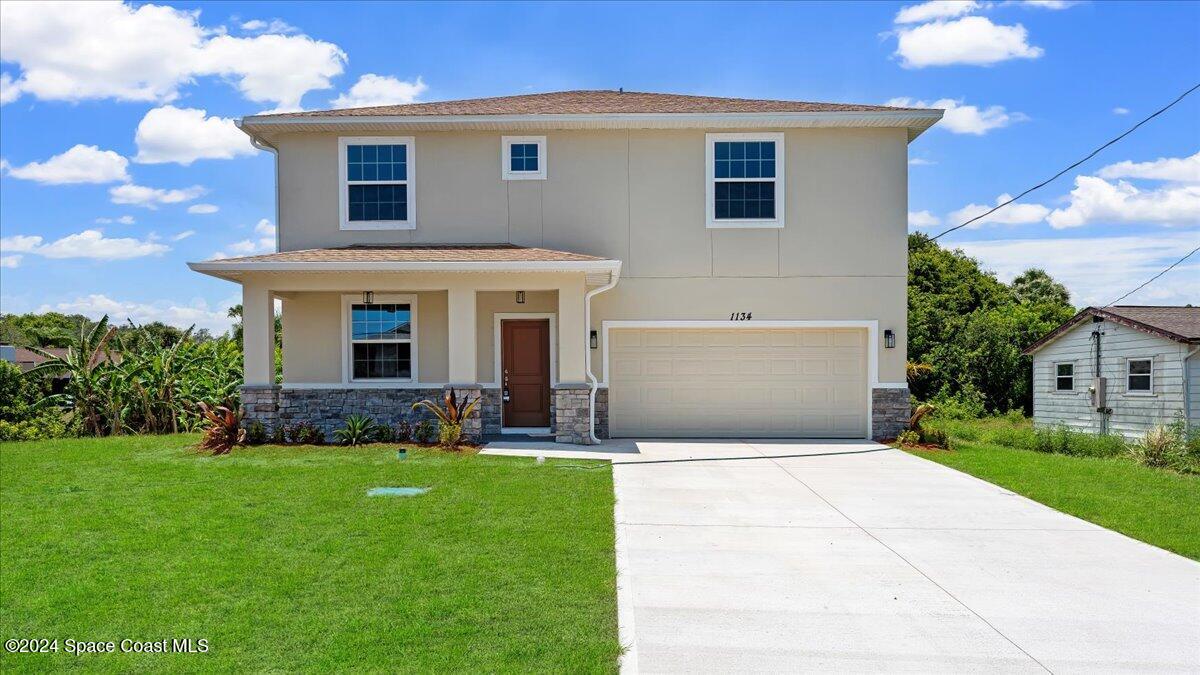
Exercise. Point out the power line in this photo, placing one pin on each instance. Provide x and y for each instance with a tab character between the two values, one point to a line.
1147	283
1060	173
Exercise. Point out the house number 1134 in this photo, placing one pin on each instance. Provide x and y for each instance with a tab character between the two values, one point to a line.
740	316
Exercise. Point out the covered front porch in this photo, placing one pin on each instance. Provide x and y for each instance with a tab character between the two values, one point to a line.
370	330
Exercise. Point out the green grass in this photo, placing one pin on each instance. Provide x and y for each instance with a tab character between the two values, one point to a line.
1157	506
278	558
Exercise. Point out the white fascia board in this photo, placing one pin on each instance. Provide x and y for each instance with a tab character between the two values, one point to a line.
611	266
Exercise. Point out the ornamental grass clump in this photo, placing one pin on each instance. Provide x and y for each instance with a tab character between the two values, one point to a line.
451	417
359	429
222	429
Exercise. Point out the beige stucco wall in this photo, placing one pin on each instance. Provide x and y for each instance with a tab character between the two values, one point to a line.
638	196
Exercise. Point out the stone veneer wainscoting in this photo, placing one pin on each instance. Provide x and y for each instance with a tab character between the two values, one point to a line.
571	413
889	412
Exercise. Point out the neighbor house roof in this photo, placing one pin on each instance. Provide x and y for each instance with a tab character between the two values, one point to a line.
595	109
411	258
1181	324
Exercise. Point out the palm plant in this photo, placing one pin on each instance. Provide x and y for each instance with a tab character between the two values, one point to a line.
359	429
89	389
223	429
450	416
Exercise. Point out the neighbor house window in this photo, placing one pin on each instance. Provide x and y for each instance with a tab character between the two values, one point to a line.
1064	377
1141	375
381	339
376	175
523	157
744	180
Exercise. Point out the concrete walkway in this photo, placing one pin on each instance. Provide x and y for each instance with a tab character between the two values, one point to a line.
850	556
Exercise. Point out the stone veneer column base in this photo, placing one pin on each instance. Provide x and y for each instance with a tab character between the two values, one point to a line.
571	413
890	411
260	403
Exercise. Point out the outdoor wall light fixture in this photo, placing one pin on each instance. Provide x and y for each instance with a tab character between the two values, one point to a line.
594	340
889	339
368	297
520	297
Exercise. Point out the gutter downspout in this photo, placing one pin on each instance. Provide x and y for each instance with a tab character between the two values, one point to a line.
263	145
587	345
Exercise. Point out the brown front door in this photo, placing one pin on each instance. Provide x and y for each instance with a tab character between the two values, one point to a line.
525	372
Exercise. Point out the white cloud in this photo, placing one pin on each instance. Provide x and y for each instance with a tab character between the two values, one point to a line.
965	119
918	219
123	220
918	161
151	198
971	40
87	244
80	164
1049	4
264	243
278	26
95	50
1120	111
935	9
1013	214
183	235
373	90
1098	270
183	135
1177	169
9	91
1095	200
176	314
10	261
203	209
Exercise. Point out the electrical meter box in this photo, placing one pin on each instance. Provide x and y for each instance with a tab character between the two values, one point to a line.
1097	391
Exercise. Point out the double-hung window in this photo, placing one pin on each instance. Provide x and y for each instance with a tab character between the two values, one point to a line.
377	183
1064	377
1140	376
744	180
523	157
381	339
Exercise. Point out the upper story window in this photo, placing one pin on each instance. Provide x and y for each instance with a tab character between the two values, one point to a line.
744	180
523	157
1064	377
1140	378
377	183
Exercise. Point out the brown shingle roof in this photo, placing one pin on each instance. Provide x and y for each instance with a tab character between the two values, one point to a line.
1181	324
449	253
594	102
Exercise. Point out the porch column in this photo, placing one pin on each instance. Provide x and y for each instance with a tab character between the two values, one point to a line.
571	338
258	333
461	314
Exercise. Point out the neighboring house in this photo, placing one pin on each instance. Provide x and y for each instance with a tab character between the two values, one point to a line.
663	265
26	359
1147	357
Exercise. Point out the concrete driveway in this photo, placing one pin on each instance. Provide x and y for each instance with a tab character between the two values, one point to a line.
850	556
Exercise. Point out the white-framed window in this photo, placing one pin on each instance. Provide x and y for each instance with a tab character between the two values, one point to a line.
380	338
376	182
1139	376
523	157
744	185
1064	377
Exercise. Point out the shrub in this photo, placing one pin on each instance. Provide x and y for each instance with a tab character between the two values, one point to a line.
359	429
450	417
908	437
385	433
1162	447
963	405
49	424
256	433
279	434
304	433
222	429
423	432
404	431
929	436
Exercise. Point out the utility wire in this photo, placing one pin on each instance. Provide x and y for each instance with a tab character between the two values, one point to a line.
1147	283
1060	173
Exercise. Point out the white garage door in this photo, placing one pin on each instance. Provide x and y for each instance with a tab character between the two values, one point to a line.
738	382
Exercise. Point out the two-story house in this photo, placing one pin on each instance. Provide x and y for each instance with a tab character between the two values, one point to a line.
591	263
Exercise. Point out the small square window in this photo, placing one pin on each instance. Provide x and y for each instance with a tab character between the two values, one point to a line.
523	157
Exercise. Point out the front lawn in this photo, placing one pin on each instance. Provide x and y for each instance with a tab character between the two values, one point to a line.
278	558
1157	506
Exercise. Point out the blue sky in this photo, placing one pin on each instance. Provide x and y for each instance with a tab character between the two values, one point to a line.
120	163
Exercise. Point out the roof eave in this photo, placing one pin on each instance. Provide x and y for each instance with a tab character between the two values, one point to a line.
916	121
1058	332
233	270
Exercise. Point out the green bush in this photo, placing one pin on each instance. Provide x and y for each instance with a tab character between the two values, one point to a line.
966	404
1169	446
359	429
423	432
46	425
256	433
23	416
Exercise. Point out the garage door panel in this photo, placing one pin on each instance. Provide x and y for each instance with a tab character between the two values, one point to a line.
738	382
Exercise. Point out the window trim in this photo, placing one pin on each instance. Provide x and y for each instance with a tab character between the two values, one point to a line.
710	180
350	299
344	184
506	172
1128	374
1056	376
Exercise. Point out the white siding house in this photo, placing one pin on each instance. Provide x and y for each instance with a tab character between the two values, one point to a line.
1147	357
